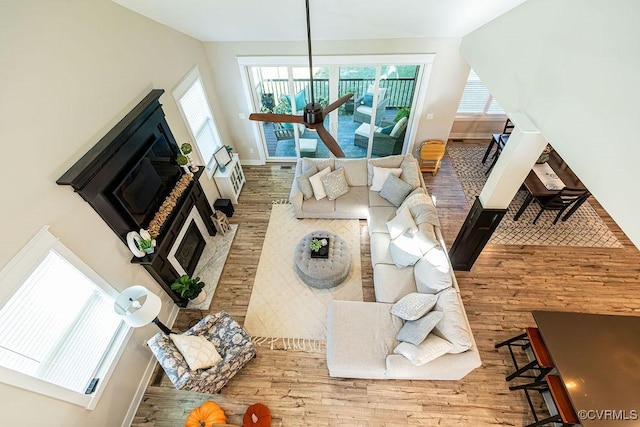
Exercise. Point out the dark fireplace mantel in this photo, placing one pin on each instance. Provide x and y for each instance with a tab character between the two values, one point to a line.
140	139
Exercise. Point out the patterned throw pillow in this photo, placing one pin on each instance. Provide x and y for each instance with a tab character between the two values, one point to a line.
395	190
335	184
197	351
414	305
304	184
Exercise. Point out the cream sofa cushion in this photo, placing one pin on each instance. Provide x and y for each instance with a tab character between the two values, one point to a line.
355	171
453	326
382	162
391	284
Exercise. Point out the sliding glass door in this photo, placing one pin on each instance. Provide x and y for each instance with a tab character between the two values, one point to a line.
374	123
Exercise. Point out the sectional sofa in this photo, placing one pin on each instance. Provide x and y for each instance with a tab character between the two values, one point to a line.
361	336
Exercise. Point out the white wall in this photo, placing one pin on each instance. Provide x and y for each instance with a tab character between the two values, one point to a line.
70	70
572	67
448	77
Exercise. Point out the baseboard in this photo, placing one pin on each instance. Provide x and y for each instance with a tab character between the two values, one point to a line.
252	162
146	377
470	136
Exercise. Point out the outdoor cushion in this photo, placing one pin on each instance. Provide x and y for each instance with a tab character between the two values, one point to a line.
387	129
301	102
399	127
367	99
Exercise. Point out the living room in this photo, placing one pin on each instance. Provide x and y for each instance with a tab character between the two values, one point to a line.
78	67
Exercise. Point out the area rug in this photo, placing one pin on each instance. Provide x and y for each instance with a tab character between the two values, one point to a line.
583	228
282	305
211	263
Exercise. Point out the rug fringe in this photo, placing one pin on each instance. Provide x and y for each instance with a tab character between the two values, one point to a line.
281	202
290	344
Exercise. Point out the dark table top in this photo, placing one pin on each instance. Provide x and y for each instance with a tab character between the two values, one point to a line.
598	359
537	188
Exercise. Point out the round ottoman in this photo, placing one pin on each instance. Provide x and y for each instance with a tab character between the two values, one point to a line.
322	273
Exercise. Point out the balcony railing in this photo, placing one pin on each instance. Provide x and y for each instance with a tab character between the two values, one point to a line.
399	91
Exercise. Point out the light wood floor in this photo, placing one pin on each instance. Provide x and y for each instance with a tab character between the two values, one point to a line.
506	283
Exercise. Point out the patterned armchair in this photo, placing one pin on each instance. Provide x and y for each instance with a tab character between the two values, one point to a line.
231	341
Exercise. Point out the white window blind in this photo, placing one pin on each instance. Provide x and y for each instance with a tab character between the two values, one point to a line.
195	107
476	98
59	325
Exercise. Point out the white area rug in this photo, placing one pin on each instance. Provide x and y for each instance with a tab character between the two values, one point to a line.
211	263
282	305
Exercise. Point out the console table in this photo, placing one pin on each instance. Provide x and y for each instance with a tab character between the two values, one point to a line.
231	181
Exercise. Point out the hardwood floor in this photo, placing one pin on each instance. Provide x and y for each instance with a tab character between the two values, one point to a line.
505	284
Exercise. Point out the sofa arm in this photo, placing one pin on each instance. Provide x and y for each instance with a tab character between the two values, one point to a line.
296	198
171	360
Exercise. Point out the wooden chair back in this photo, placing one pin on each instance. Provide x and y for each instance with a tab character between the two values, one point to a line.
561	399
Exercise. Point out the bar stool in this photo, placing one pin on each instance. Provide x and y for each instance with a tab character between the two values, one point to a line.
541	362
564	411
496	139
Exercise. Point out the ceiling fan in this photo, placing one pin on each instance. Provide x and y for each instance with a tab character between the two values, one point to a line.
313	114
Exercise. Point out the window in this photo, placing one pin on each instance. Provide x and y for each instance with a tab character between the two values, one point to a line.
59	329
476	99
194	106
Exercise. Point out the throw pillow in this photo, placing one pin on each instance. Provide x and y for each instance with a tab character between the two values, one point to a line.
428	350
404	250
410	171
395	190
380	176
303	183
399	127
387	130
197	351
316	183
414	305
335	184
433	272
400	223
367	99
416	331
453	327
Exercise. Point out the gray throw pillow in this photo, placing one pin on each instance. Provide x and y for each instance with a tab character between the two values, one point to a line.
430	349
414	305
417	330
395	190
335	184
303	182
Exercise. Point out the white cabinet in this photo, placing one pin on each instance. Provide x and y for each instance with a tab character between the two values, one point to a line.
230	181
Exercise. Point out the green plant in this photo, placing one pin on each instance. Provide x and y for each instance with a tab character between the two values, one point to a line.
182	160
146	242
316	244
187	287
186	148
403	112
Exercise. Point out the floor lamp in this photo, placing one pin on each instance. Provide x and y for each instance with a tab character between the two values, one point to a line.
138	306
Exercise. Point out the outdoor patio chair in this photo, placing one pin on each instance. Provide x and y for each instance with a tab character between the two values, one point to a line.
231	342
364	106
383	144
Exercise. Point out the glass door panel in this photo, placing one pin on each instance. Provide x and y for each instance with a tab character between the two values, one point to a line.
309	142
355	116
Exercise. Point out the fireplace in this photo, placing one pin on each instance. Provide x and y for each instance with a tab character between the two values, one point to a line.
189	244
125	178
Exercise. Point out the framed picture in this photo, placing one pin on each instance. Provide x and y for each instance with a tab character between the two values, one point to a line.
222	157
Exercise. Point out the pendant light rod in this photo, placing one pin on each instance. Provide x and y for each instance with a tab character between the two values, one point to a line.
309	48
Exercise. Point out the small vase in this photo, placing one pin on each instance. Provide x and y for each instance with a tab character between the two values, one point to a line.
149	251
200	298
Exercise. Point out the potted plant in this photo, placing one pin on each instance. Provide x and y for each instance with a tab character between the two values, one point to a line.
146	242
402	112
544	156
183	161
187	149
319	247
191	288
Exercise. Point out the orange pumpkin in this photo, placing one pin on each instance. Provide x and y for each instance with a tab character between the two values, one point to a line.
257	415
206	415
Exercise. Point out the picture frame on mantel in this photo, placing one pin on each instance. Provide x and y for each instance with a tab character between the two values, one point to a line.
223	158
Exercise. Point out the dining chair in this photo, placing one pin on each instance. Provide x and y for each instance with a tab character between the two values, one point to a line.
567	198
561	411
498	139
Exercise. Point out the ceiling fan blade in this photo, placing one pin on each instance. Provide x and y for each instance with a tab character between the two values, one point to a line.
336	104
276	118
328	140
